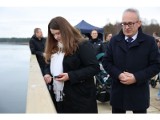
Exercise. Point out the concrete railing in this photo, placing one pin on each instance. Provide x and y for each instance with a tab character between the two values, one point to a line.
38	97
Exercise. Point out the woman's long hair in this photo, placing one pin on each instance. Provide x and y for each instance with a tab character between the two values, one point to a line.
71	37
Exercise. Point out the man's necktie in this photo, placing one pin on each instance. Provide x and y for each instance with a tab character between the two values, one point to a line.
129	40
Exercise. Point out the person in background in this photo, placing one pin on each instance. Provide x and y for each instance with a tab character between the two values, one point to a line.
158	44
37	44
131	59
107	38
96	42
72	65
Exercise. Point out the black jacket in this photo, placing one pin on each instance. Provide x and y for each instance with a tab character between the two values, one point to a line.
37	47
97	45
142	59
105	44
79	90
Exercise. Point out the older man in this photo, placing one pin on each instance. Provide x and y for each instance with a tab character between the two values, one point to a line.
131	59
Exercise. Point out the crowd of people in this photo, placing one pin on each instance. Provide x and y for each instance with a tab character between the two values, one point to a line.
68	63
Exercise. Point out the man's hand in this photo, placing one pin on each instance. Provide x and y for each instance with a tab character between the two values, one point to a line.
127	78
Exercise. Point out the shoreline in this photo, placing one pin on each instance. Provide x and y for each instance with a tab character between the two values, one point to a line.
14	43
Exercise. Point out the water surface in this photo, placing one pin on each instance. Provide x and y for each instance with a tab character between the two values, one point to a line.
14	74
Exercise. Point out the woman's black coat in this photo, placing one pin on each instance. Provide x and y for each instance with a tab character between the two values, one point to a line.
79	90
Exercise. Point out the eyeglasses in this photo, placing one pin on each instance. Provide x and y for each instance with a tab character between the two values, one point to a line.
130	24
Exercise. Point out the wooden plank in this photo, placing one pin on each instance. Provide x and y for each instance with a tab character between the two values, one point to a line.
38	97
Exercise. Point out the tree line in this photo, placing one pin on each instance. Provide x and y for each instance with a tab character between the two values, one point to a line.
15	40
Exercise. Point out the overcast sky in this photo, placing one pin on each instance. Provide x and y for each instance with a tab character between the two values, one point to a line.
19	20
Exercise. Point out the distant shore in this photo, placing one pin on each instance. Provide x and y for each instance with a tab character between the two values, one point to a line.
15	43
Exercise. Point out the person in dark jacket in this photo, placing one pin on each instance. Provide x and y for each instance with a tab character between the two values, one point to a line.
37	44
107	38
72	64
96	42
158	44
131	59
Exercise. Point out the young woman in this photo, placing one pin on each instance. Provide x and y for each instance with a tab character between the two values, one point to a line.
72	64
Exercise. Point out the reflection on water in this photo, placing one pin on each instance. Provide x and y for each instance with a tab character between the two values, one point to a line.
14	74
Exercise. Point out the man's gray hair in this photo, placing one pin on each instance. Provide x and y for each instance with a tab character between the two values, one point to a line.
36	30
134	11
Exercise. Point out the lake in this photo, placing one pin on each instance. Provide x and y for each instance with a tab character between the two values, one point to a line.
14	75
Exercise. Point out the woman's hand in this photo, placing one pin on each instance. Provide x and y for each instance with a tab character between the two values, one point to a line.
62	77
47	78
